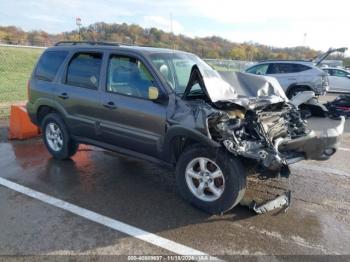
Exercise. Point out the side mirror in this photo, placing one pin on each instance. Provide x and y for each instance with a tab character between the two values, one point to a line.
153	93
348	76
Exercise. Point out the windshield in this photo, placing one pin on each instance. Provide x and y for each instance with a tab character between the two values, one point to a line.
176	68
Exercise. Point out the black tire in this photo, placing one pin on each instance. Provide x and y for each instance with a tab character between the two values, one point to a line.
69	146
305	111
292	92
232	170
334	116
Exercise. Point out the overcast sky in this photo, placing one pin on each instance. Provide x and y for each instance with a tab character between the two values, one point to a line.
272	22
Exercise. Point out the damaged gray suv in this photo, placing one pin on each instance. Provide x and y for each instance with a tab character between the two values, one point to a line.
171	108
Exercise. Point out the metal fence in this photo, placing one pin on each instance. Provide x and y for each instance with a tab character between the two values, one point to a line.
16	65
17	62
228	65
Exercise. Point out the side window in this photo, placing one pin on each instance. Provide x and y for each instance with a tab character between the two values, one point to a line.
128	76
281	68
339	73
164	68
300	68
259	69
84	70
49	64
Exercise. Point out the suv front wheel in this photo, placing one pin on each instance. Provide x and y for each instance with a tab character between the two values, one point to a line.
56	137
212	180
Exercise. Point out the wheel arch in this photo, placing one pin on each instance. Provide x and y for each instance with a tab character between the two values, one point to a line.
46	106
178	138
297	85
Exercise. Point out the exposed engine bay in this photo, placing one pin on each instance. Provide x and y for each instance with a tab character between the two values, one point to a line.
267	129
257	134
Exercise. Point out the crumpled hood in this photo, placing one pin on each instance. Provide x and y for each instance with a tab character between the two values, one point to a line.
247	90
250	85
216	88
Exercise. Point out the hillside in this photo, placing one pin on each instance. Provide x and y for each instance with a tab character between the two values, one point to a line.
208	47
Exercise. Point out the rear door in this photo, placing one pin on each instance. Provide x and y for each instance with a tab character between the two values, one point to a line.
287	73
129	119
79	93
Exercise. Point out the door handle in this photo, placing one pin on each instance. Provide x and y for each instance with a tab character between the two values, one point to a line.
110	105
63	96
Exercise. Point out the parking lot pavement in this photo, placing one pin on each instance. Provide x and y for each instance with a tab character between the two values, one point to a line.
144	195
30	227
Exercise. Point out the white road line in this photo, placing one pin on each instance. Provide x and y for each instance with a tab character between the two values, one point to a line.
344	149
321	169
153	239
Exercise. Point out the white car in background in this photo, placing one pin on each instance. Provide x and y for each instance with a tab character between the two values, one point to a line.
339	79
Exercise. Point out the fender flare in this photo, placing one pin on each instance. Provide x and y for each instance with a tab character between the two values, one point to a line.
49	103
290	87
179	131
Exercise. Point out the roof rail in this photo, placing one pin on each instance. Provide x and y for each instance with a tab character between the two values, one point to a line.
60	43
285	60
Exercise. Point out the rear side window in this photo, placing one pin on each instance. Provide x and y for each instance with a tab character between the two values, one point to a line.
285	68
84	70
300	68
49	64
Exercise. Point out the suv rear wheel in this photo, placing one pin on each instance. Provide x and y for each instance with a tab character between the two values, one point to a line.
56	137
212	180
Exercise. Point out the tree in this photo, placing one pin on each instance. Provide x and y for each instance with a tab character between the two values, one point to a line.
237	53
206	47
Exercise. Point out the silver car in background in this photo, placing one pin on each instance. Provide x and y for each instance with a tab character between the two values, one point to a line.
339	79
297	75
294	76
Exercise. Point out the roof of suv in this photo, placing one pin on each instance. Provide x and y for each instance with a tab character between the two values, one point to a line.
305	62
110	45
337	68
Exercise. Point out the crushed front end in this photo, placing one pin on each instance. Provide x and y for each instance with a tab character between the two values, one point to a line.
273	135
265	131
266	128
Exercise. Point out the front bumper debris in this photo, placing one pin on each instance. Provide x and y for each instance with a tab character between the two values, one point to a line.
316	146
283	200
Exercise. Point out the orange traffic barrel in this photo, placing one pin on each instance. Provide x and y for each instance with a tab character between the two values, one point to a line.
20	125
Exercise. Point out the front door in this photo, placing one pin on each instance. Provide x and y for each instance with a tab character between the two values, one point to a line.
130	120
339	81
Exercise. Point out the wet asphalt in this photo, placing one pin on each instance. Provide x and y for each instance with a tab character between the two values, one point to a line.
144	195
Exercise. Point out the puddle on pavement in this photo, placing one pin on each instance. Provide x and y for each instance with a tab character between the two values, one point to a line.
145	195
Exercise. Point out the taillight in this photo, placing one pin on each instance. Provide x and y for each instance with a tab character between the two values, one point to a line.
28	91
325	80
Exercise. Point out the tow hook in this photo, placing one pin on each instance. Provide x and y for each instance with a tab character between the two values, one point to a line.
283	200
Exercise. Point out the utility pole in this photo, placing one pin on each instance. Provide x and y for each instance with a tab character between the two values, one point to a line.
78	23
304	39
171	30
